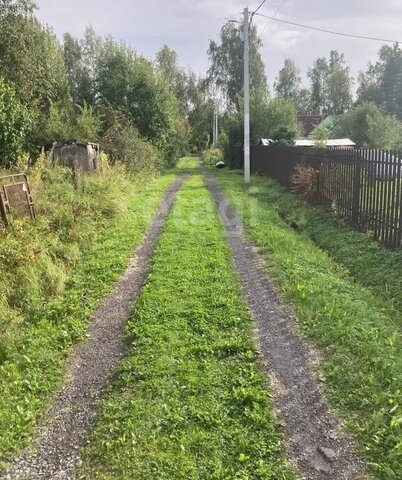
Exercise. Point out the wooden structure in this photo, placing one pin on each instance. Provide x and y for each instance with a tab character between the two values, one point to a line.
362	185
77	156
15	197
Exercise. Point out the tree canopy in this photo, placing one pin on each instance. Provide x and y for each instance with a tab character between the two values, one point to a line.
226	64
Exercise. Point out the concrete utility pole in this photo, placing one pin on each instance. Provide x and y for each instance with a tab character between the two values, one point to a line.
215	131
246	98
216	124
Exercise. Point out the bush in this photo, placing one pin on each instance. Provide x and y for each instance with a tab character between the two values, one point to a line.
304	182
211	156
370	127
14	125
123	144
36	257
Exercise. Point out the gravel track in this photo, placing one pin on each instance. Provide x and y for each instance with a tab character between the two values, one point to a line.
64	429
315	440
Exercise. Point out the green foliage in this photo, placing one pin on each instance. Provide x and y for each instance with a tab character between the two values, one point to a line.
331	85
382	82
287	84
175	76
190	398
226	59
123	144
88	124
269	118
211	156
200	114
357	329
31	58
370	127
80	59
14	125
55	271
129	83
16	7
56	125
320	135
64	123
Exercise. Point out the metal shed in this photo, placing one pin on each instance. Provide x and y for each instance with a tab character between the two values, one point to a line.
78	156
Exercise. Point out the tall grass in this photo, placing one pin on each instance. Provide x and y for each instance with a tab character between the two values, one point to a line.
37	256
55	271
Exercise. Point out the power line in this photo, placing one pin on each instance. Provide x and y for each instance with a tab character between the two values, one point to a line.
255	11
362	37
275	14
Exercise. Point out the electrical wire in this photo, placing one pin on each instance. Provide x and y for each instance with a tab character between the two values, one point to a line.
255	11
275	15
332	32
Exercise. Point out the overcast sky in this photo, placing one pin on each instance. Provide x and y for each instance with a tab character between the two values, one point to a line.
188	25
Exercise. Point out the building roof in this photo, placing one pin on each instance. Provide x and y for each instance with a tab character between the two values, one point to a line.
335	142
341	142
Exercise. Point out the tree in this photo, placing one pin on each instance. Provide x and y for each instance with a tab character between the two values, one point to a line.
382	82
320	135
287	84
16	7
303	101
176	77
14	125
80	60
201	108
31	58
318	78
129	83
370	127
339	90
331	84
226	64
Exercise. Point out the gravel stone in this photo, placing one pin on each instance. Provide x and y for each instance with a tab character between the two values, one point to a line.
64	429
315	441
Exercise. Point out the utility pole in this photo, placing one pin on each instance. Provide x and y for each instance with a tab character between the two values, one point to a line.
216	124
246	98
213	129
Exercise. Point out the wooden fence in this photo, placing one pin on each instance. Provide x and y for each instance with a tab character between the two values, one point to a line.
363	185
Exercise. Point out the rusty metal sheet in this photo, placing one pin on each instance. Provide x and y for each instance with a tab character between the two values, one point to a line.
15	197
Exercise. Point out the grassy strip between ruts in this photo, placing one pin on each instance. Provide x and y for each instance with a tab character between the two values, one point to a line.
34	367
362	347
190	401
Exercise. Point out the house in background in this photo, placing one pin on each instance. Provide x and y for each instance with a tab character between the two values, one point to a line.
331	143
308	123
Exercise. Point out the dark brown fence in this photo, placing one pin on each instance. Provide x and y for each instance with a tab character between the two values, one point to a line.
363	185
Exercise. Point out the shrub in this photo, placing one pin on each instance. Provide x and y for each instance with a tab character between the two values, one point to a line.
304	181
14	125
37	257
211	156
123	144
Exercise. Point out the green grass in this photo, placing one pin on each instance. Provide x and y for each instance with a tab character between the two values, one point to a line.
368	262
352	325
190	401
33	361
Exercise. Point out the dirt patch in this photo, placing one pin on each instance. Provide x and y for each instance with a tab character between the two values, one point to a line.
314	436
64	429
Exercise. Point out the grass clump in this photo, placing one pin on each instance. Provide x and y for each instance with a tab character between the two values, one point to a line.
211	156
190	401
353	325
55	271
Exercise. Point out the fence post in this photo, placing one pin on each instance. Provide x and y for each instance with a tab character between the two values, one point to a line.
356	189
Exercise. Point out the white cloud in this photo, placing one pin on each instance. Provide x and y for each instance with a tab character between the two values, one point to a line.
188	25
